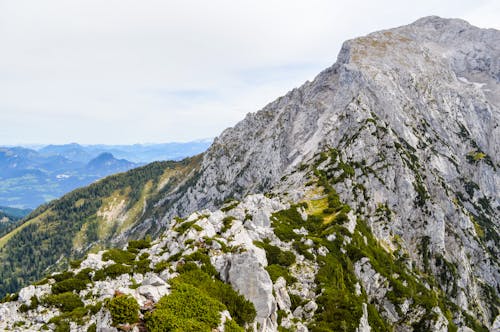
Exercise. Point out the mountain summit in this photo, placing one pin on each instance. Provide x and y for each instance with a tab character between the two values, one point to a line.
380	208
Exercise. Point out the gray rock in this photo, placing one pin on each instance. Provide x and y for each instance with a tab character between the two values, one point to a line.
250	278
282	297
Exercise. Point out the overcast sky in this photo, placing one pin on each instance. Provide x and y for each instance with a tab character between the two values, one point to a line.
103	71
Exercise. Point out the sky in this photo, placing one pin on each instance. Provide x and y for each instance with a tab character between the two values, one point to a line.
124	72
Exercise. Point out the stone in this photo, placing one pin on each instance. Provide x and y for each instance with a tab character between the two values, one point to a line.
282	297
250	278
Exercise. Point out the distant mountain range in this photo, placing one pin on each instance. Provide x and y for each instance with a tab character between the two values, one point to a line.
32	176
137	153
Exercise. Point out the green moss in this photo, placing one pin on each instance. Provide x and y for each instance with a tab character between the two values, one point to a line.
123	309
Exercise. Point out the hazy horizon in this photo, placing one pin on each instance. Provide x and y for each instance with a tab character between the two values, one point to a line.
41	145
126	72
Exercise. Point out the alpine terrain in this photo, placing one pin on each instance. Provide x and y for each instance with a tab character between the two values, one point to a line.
365	200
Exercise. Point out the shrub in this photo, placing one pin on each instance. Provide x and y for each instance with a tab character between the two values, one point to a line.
62	276
63	326
231	326
112	271
118	256
242	310
276	271
202	257
68	285
142	266
123	309
302	249
277	256
160	266
182	228
136	245
164	321
75	264
185	309
66	302
84	274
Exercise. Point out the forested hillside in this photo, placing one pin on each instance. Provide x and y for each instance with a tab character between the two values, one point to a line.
90	218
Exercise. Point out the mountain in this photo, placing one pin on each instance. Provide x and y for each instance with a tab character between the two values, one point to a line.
30	177
137	153
9	218
365	200
72	151
106	163
13	213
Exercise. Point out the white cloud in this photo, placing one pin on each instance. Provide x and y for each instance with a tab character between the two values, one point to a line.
126	71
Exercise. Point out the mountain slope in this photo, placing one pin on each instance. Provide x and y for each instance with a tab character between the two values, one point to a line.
382	179
414	114
86	219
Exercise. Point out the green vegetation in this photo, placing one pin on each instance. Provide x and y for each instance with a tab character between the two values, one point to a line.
339	308
275	255
240	309
123	310
278	261
135	246
69	285
229	206
118	256
66	302
31	250
227	223
186	309
231	326
275	271
112	271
